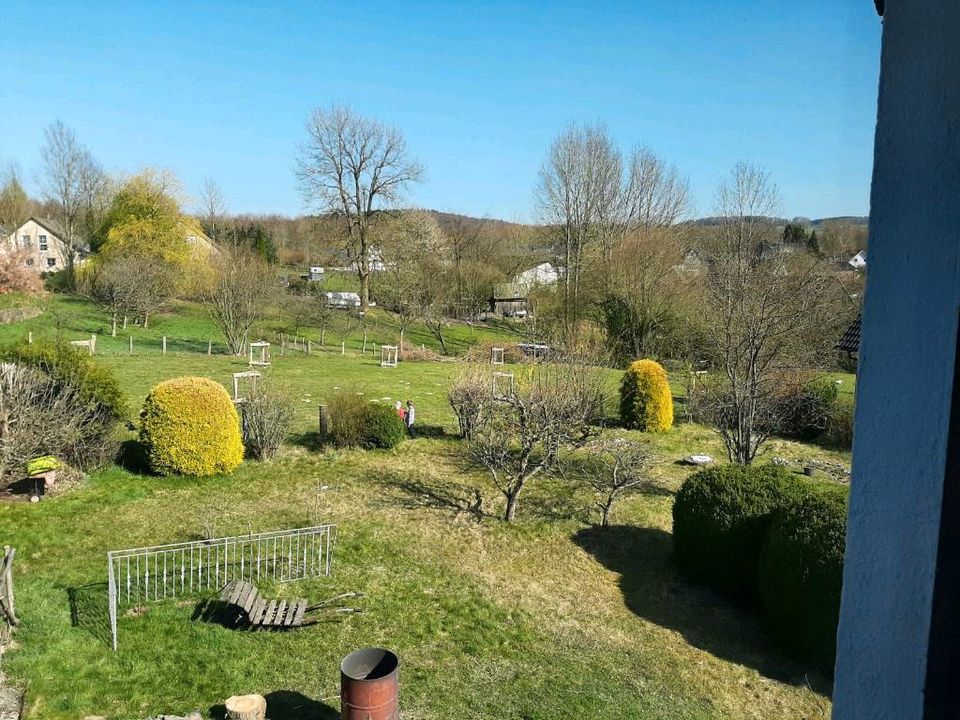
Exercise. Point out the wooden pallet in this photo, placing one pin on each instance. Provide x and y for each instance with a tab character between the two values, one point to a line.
256	612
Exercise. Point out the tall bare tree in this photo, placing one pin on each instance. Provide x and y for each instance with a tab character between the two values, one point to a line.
578	193
767	316
354	167
69	175
213	210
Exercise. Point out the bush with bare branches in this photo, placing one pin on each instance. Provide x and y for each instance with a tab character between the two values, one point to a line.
521	431
613	468
41	416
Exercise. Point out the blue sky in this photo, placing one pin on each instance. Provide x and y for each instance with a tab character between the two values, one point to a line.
479	89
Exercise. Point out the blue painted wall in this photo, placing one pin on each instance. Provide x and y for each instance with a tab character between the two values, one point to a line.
906	366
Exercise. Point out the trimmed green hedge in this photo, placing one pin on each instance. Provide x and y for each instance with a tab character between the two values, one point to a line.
357	422
801	573
720	520
382	427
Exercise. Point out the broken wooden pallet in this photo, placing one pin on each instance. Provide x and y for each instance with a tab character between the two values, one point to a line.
248	608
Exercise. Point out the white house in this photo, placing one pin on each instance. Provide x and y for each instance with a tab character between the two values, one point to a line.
542	274
41	239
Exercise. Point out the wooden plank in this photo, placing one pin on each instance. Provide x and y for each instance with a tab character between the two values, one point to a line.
278	620
298	613
228	591
249	597
238	590
268	615
258	608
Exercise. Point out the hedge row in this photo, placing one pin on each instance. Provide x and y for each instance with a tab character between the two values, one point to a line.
767	537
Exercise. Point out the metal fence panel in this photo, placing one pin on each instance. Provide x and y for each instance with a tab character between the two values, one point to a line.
161	572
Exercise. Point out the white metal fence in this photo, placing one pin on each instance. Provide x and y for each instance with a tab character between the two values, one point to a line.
161	572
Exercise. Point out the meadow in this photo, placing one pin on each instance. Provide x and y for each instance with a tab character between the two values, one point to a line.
549	617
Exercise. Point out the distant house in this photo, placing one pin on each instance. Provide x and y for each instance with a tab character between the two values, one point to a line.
858	261
542	274
46	252
343	300
511	299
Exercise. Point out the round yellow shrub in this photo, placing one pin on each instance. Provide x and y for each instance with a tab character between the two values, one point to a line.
189	426
645	399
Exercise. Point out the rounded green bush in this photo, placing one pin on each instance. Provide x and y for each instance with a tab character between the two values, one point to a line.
382	427
645	400
189	426
801	573
720	520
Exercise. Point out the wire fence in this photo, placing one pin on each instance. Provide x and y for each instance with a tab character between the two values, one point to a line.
161	572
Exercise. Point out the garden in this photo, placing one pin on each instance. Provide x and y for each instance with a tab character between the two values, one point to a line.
584	600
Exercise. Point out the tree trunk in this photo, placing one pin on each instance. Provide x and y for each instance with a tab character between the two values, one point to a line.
607	508
146	320
113	325
124	322
513	499
246	707
400	348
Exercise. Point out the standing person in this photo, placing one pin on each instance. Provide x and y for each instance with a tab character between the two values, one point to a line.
401	413
411	416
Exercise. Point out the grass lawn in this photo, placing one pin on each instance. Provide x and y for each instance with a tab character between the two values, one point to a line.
546	618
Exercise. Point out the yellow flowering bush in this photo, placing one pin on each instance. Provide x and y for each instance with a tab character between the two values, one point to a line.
189	426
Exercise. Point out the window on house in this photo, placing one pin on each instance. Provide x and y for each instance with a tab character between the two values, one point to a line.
51	262
26	240
42	239
29	262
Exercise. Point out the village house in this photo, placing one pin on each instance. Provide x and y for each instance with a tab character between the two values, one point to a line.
42	240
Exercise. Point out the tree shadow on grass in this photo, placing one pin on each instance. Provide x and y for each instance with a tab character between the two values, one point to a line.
288	705
654	589
90	610
433	494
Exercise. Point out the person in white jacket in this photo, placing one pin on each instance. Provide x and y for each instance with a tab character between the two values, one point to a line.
411	416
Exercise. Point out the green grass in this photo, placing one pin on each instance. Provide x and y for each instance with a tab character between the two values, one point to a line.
546	618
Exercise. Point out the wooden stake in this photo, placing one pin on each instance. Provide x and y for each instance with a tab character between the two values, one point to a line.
30	338
164	344
309	346
131	344
343	347
209	348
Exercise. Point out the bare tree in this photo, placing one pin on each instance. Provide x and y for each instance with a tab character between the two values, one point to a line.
522	431
352	166
243	288
767	316
153	284
578	193
613	468
113	282
409	242
68	177
213	210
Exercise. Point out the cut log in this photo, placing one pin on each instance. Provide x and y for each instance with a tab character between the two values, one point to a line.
246	707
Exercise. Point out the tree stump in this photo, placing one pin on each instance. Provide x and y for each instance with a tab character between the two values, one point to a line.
246	707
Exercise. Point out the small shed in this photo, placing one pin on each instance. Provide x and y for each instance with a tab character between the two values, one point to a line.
850	342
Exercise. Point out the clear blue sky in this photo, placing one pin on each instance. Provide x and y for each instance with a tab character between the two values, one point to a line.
479	89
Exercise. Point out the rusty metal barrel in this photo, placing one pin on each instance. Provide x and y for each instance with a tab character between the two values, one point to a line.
369	685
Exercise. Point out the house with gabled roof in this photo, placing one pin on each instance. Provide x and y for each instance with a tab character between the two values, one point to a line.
46	251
